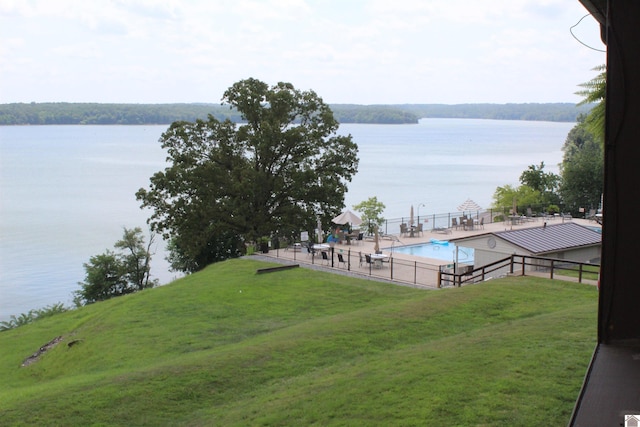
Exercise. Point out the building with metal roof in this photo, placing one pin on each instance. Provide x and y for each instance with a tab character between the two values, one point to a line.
566	241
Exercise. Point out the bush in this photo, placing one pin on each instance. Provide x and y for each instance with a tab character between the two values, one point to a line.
113	274
32	316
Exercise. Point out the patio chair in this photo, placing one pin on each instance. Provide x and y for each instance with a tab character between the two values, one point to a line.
454	223
419	229
361	259
360	237
341	260
481	224
367	258
325	257
310	251
403	229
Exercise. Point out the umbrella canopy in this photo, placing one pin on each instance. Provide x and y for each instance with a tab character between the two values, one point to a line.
376	241
469	205
347	217
411	216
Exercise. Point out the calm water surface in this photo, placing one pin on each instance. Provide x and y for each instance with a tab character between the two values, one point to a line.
67	191
445	251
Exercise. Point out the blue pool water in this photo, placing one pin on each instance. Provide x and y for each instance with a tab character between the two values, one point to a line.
445	252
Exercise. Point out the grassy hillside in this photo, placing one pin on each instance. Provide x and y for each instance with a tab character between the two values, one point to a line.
298	347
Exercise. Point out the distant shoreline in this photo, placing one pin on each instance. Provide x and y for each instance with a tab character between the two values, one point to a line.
62	113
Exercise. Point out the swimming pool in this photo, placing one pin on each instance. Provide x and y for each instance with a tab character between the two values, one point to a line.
445	251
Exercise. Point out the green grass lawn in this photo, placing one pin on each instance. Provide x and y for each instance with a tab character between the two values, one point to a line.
298	347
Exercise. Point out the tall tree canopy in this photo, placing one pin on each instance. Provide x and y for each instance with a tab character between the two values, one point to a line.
538	190
582	168
274	174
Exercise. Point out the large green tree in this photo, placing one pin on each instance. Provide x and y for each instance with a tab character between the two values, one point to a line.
582	168
538	190
274	174
545	183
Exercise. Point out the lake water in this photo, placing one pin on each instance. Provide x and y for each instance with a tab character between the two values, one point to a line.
67	191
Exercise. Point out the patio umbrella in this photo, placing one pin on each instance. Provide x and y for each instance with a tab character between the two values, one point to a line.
347	217
411	216
469	205
376	241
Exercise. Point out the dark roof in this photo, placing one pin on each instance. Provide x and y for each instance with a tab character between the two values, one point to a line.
552	238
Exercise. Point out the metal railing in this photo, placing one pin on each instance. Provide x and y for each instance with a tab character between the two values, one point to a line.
522	265
360	263
436	275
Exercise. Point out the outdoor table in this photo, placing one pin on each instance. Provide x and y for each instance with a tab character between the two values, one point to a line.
321	247
378	258
515	219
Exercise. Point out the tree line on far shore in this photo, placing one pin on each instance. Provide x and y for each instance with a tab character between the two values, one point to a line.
144	114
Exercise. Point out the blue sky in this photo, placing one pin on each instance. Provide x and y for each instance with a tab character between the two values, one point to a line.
364	52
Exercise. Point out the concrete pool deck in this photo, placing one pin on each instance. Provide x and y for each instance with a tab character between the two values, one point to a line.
405	269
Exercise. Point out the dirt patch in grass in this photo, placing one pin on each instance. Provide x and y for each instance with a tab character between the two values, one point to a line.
35	356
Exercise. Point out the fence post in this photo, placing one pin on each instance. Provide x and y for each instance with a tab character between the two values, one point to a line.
333	250
439	283
523	265
580	274
415	272
552	269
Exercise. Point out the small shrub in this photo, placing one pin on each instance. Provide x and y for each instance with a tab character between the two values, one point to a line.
32	316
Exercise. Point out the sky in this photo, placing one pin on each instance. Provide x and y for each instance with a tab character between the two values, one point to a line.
347	51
